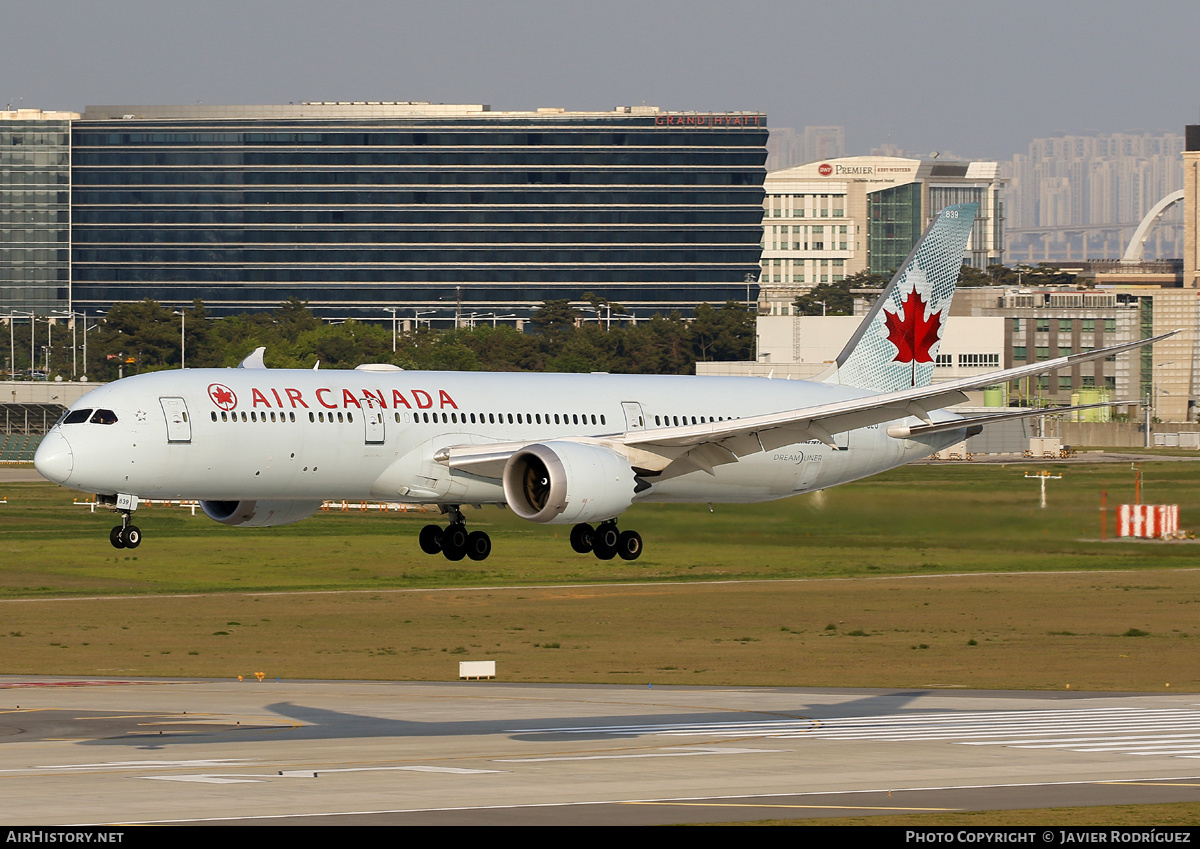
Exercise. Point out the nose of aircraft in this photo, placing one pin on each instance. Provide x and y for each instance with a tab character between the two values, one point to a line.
53	458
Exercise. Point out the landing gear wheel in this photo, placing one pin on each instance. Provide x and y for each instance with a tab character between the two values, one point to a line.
454	542
431	539
581	538
629	545
479	545
132	536
604	543
116	537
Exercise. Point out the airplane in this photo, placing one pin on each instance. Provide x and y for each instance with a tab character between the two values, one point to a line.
259	447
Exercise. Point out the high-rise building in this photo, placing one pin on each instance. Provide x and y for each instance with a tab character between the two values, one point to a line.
35	209
439	209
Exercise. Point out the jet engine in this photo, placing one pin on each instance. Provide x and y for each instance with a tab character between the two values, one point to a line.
564	483
259	514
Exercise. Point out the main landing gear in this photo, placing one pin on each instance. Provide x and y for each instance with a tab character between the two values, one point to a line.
606	542
125	535
453	541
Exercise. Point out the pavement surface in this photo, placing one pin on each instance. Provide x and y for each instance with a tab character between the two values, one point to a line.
488	753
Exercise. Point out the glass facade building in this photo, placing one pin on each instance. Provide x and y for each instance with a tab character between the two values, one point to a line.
35	210
442	210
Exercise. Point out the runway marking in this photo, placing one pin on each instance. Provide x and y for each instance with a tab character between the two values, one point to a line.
1171	732
226	762
448	770
233	778
203	779
799	807
678	753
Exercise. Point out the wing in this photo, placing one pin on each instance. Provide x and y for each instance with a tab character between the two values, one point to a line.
671	451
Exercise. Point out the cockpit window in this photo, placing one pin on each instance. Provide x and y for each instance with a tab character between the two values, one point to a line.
76	416
104	417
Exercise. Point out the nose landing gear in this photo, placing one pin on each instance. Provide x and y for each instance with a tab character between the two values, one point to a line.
606	542
454	542
125	535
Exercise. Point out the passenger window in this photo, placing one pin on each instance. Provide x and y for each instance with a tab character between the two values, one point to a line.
105	417
77	416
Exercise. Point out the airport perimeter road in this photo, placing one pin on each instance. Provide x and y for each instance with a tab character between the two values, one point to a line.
106	751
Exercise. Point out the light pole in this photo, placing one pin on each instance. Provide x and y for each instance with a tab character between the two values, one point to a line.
392	310
71	314
85	330
1158	390
12	314
182	338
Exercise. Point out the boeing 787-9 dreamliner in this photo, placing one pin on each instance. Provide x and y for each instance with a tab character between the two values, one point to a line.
260	447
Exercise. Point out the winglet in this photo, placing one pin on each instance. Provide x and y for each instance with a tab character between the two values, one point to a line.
896	344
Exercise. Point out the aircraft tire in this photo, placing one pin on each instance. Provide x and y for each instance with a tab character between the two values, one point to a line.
116	537
132	536
606	535
479	545
454	542
431	539
604	542
629	545
581	538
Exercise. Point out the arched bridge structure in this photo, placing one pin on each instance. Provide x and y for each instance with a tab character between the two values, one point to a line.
1137	244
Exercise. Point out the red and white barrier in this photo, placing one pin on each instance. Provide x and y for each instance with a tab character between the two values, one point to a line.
1148	521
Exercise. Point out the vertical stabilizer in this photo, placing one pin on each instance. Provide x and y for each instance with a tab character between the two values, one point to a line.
897	343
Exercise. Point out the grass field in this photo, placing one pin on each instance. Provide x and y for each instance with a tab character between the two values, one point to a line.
918	520
930	576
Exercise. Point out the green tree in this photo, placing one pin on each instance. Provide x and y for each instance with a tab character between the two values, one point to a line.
723	334
555	317
837	296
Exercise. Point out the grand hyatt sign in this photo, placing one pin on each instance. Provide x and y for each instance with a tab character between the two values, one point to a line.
710	120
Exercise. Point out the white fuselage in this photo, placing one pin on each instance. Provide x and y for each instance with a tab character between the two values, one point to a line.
231	434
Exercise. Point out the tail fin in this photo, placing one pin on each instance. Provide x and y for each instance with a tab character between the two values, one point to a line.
897	343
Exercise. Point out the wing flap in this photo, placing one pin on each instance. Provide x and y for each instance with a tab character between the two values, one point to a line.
905	431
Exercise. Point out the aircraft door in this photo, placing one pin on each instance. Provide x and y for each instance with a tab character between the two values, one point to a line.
374	424
179	426
633	415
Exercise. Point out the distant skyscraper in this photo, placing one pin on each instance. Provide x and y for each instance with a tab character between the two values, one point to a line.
787	147
1093	190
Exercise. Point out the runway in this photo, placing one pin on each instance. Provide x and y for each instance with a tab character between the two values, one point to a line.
331	753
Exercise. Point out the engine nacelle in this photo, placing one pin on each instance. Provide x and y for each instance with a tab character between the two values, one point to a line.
259	514
563	483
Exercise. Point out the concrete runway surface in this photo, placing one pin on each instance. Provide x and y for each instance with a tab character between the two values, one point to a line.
332	753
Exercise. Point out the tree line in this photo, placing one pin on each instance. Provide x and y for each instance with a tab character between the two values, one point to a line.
145	336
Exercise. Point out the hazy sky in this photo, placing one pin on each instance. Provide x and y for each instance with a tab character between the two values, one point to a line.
976	79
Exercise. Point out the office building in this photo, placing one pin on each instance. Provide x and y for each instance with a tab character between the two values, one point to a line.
827	220
434	210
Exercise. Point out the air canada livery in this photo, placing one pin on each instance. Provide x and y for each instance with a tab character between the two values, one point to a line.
260	447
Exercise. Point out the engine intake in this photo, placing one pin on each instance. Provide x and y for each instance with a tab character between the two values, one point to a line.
564	483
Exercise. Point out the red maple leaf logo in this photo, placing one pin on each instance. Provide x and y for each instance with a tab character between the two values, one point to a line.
913	335
222	396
